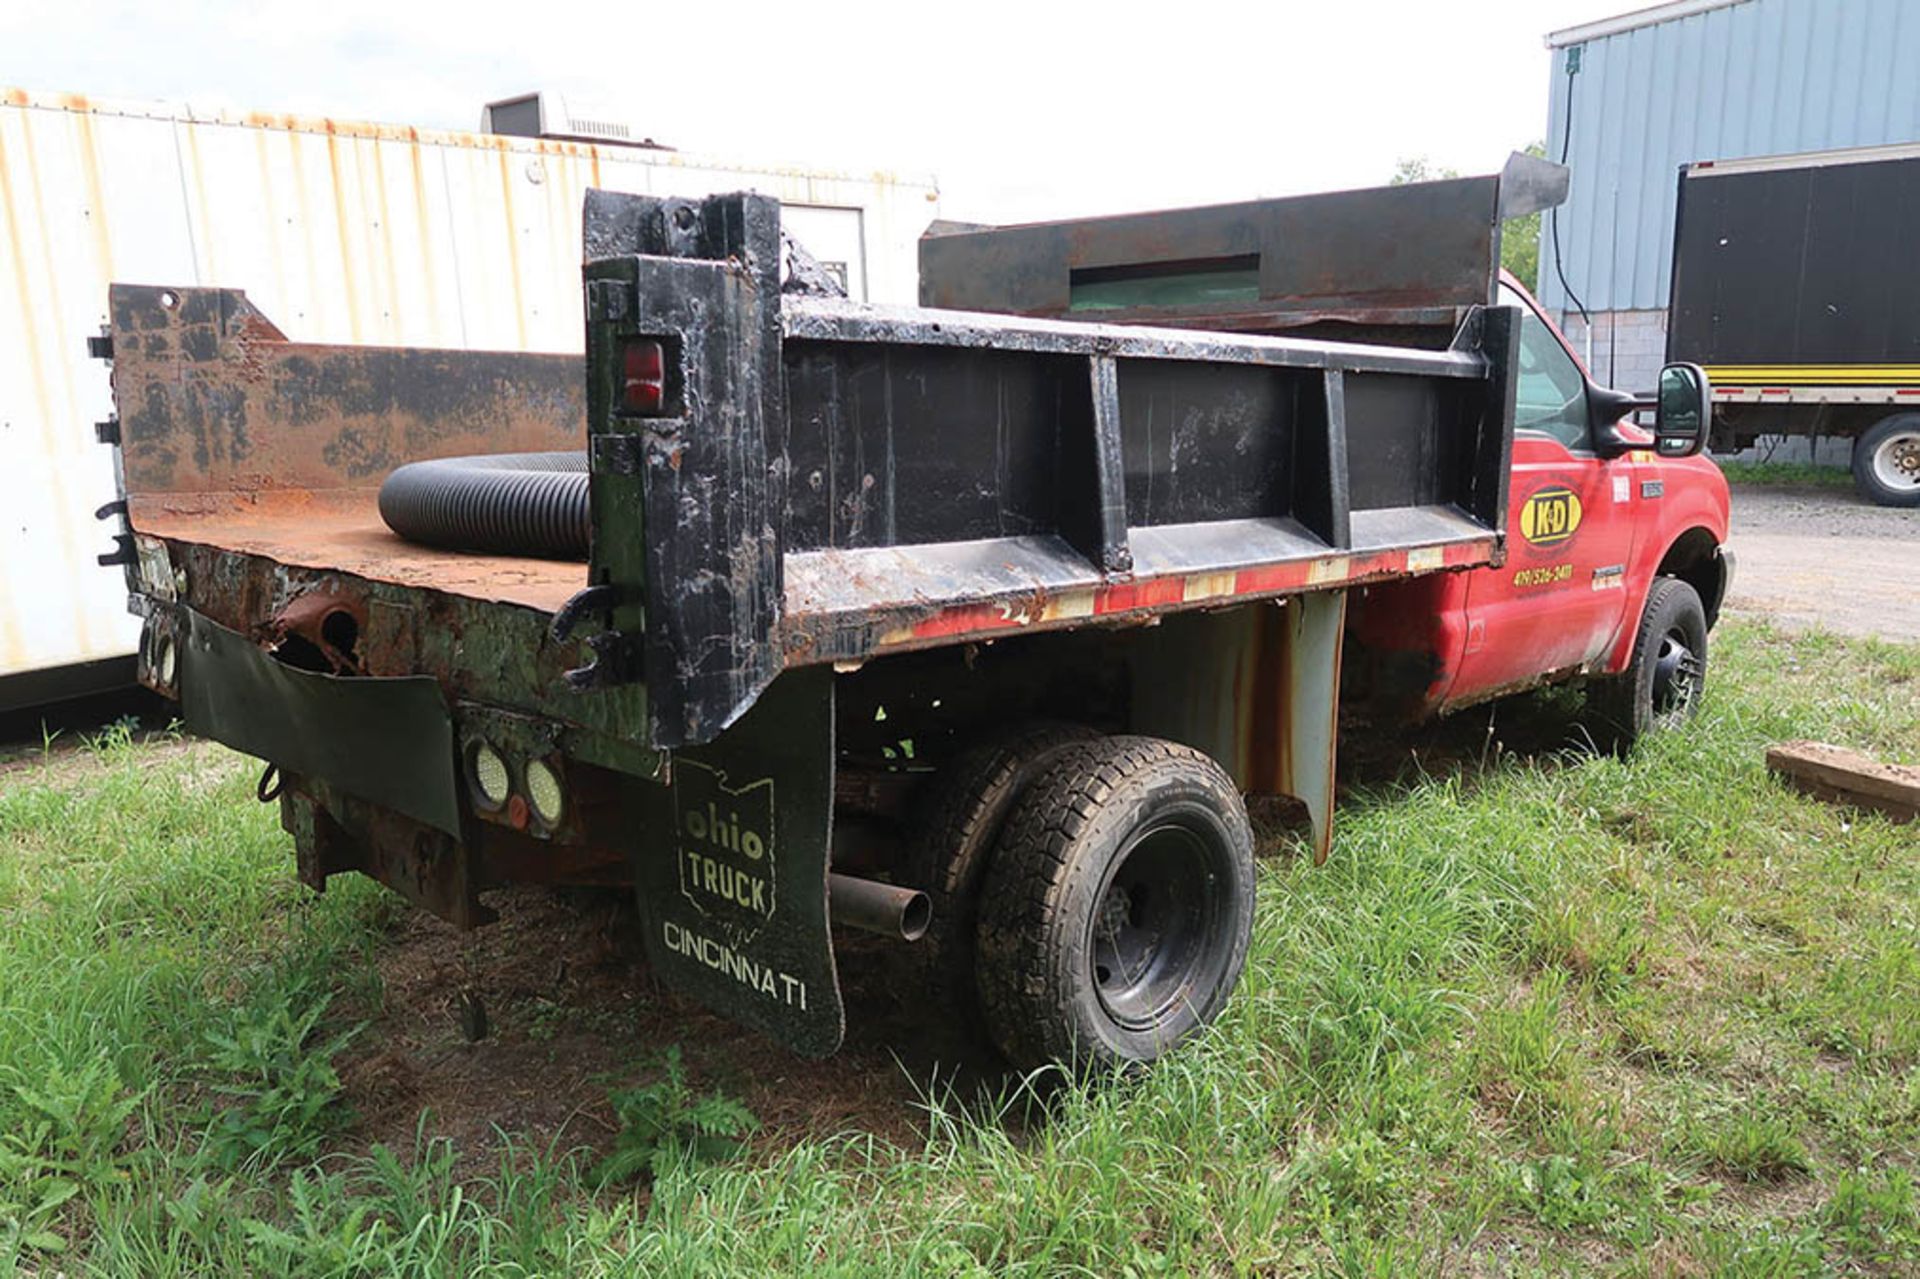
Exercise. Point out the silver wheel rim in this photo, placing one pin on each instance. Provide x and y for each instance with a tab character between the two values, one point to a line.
1896	462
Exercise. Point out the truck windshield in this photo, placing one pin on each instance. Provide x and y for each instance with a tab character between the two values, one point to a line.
1551	396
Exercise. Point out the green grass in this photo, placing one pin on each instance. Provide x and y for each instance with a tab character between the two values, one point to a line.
1552	1015
1786	475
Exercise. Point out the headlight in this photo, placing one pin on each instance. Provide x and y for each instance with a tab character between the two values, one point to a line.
544	792
487	770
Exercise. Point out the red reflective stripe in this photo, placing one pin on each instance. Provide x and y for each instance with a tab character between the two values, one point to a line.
1124	597
1271	577
970	617
1378	562
1339	568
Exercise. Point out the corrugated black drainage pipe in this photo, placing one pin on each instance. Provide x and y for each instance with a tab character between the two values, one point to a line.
532	504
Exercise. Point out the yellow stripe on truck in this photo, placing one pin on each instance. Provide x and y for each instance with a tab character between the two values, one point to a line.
1812	374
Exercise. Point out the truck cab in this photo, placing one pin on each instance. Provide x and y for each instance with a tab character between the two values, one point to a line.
1597	518
1614	563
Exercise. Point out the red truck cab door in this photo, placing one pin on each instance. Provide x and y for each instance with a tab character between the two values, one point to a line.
1558	602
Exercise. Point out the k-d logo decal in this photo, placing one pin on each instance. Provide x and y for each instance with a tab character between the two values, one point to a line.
1550	516
725	846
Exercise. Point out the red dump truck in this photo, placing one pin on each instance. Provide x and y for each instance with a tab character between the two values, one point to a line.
971	624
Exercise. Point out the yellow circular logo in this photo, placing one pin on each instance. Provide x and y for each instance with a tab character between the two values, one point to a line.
1550	516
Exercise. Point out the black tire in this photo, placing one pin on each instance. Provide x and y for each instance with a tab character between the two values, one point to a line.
1124	855
1663	683
1886	461
952	842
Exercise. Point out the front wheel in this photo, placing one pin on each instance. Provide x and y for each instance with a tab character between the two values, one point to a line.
1886	461
1663	683
1119	906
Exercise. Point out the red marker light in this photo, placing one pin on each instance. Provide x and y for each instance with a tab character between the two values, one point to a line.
643	376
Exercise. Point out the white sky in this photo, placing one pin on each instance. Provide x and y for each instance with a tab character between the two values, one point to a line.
1022	110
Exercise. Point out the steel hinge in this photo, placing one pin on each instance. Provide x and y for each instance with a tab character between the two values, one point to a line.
107	432
101	346
617	656
123	551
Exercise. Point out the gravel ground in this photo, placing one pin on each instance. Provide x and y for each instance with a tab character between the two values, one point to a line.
1824	557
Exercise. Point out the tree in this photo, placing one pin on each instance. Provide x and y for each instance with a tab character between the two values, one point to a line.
1417	168
1519	237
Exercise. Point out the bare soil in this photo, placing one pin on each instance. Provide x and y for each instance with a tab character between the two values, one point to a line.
1826	557
572	1010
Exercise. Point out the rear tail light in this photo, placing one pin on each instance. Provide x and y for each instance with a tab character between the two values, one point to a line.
643	376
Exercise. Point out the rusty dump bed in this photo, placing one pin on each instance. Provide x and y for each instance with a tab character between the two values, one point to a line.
235	437
828	482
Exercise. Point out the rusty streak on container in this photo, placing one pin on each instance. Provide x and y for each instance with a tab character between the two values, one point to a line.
420	209
344	231
513	242
96	193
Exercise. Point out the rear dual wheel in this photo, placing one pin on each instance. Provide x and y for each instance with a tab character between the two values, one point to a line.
948	856
1118	908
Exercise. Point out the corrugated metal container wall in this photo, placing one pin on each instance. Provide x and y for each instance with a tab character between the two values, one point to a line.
340	232
1752	77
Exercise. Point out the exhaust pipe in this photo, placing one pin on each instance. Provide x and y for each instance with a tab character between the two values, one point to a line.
867	904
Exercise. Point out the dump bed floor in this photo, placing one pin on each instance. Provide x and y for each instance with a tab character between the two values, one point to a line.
853	602
342	532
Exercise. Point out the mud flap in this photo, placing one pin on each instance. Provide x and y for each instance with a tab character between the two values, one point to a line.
388	741
732	877
1316	623
1256	687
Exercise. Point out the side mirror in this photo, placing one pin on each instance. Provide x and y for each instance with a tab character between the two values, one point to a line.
1682	412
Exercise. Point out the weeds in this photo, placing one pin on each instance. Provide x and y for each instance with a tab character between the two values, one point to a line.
664	1122
1547	1014
273	1068
1786	475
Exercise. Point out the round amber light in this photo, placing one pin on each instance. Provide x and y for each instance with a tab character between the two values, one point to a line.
544	792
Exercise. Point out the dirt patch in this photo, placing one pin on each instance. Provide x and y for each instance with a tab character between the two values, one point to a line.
573	1009
67	761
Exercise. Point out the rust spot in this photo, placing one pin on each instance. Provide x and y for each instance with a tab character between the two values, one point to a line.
320	626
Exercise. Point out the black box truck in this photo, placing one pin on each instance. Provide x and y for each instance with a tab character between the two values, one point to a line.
1796	285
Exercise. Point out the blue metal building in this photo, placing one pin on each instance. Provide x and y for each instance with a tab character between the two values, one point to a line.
1635	97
